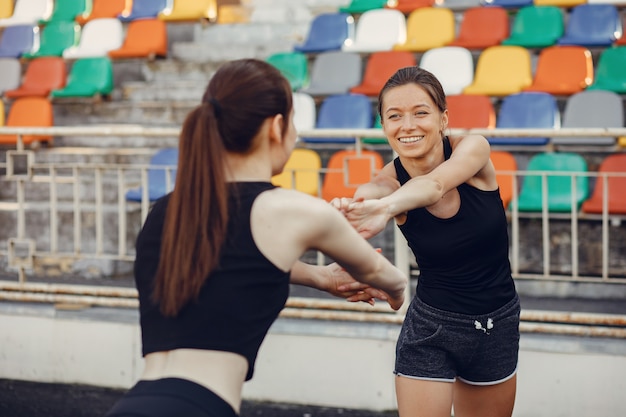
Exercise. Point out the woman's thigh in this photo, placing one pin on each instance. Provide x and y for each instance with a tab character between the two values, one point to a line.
484	400
423	398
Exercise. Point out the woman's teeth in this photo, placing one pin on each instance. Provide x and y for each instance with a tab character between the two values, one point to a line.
411	139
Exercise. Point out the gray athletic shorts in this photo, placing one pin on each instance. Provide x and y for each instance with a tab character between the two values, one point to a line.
440	345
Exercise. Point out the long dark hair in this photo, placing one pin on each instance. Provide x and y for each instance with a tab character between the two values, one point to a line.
240	96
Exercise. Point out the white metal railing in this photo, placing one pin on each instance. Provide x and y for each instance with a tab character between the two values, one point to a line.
88	217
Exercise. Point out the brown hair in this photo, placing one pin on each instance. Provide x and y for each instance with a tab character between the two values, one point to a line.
240	96
419	76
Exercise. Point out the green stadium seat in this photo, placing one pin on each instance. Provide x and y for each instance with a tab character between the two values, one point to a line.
374	140
88	77
55	37
610	73
559	187
360	6
536	27
66	10
294	66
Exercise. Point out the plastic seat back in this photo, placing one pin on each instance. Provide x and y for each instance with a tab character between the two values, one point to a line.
610	71
592	25
145	38
504	161
591	109
66	10
55	37
6	8
559	3
470	111
407	6
500	71
328	32
536	27
452	65
29	112
559	187
379	67
510	4
563	70
362	6
621	41
346	170
98	37
334	72
28	12
42	76
527	110
378	30
302	172
343	111
18	40
615	163
164	161
189	10
482	27
293	65
142	9
102	9
427	28
232	13
88	77
10	74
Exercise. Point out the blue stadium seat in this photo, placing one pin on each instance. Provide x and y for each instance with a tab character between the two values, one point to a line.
343	111
511	4
531	110
17	40
592	25
157	179
142	9
328	32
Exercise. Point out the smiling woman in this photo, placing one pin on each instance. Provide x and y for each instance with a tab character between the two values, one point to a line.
443	194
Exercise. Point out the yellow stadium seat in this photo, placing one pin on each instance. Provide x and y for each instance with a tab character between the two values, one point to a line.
233	13
621	141
500	71
427	28
181	10
301	172
6	9
559	3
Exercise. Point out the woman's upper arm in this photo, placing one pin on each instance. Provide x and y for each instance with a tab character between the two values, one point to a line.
383	184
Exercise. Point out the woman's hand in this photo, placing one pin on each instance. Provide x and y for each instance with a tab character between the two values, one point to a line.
368	217
341	284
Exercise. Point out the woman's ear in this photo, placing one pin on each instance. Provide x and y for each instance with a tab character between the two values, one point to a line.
277	128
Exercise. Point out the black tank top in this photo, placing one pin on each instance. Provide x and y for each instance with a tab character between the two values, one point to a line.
463	260
239	301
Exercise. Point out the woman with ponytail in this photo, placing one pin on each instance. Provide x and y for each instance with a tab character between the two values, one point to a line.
216	256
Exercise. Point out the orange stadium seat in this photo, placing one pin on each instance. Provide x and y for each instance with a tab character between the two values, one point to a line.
102	9
469	111
379	67
145	38
31	112
427	28
347	169
42	76
407	6
615	163
482	27
563	70
504	161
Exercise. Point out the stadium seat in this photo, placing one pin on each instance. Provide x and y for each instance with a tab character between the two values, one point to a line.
592	25
407	6
559	187
42	76
559	3
6	9
97	38
302	172
526	110
334	72
460	5
610	70
55	37
500	71
88	77
452	65
28	12
504	161
232	13
145	38
362	6
375	140
379	67
347	169
305	112
591	109
157	176
102	9
614	163
482	27
10	74
29	112
427	28
342	111
2	113
65	10
509	4
536	27
293	65
327	32
378	30
563	70
467	111
142	9
190	10
621	41
18	40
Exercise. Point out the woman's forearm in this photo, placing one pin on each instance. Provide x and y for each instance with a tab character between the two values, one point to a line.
417	192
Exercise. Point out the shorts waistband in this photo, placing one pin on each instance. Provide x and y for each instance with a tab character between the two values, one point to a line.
503	311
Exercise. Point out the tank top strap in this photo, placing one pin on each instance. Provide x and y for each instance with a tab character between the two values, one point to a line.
401	173
447	148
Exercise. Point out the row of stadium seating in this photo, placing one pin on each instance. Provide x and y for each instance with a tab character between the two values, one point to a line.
407	6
